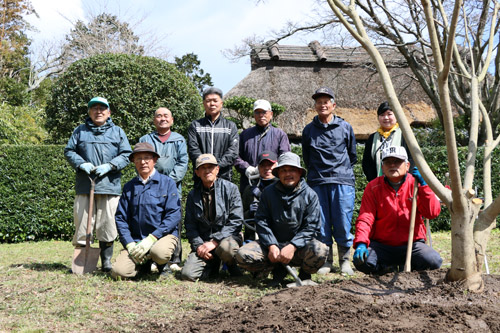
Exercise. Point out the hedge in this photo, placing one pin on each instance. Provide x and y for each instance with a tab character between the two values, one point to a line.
37	190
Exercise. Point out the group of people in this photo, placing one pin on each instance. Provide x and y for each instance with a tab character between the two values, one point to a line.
290	216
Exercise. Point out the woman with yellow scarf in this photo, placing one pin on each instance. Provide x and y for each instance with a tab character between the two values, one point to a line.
388	135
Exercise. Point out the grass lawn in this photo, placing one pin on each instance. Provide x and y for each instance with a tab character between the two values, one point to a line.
39	294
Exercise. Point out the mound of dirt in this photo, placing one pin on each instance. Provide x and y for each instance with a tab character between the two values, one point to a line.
416	301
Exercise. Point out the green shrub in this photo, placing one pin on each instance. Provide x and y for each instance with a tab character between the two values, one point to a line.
21	125
135	86
37	190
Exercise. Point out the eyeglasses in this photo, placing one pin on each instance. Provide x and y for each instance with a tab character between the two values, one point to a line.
145	158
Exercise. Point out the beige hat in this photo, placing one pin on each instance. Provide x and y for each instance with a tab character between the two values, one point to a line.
205	159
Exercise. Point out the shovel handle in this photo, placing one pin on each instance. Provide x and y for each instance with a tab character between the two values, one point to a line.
292	273
412	228
91	208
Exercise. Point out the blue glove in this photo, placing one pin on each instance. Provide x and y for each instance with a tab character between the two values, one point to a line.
418	176
102	169
360	254
253	207
87	167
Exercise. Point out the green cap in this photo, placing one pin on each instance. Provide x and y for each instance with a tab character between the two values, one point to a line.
98	100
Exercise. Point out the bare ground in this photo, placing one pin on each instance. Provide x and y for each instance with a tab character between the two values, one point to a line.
396	302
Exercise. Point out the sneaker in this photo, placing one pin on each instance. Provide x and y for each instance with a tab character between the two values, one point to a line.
175	268
154	268
325	269
166	271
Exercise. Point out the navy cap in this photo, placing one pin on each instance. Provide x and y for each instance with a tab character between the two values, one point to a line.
267	156
323	91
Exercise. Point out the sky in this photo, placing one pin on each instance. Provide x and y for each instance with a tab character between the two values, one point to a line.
205	28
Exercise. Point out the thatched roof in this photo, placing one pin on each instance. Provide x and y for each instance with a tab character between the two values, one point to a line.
289	75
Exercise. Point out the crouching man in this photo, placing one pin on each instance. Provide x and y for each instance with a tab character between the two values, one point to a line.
213	221
287	222
383	223
147	217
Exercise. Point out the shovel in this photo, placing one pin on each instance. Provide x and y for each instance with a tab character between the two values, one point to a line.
412	228
298	282
85	259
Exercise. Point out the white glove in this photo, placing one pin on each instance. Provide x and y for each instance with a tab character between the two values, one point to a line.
102	169
143	247
251	171
87	167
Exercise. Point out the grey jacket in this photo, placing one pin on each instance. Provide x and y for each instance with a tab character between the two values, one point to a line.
228	214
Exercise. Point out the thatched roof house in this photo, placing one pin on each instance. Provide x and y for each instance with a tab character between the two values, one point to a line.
289	75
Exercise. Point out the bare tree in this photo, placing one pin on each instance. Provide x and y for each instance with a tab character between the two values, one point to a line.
439	36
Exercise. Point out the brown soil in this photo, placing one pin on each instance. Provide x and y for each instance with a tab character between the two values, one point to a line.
397	302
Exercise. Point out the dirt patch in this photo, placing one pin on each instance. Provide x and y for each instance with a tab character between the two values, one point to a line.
417	301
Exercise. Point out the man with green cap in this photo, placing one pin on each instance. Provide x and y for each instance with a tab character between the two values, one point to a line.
98	148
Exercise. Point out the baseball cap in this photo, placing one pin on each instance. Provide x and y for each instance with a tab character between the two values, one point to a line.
323	91
267	156
205	159
262	104
290	159
212	90
98	100
143	147
397	152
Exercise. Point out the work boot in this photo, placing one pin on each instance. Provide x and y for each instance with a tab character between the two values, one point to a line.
328	265
344	263
106	255
279	274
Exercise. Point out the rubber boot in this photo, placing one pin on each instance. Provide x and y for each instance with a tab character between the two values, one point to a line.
106	255
328	265
344	263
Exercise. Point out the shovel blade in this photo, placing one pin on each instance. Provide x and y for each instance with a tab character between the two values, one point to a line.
304	283
85	260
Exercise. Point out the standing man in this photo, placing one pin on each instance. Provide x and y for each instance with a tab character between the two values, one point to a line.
173	161
148	215
213	222
214	134
288	221
383	223
262	137
101	148
329	150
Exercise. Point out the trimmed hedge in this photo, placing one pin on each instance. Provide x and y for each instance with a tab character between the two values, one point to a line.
37	190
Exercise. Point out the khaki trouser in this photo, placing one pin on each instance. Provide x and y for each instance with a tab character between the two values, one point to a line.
254	257
160	253
103	217
197	268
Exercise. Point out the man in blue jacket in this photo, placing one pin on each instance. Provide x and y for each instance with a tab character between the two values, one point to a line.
214	134
213	222
255	140
173	161
147	216
100	148
288	222
329	151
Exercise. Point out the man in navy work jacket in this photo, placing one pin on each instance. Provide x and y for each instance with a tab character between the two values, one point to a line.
100	148
173	161
214	134
147	216
329	151
255	140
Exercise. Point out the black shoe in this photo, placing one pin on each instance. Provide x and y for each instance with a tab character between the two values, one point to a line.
106	255
304	276
234	270
279	274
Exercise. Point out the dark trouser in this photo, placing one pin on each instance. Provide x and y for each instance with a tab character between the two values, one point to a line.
381	256
254	257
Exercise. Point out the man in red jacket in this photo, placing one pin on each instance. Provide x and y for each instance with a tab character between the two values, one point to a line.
383	223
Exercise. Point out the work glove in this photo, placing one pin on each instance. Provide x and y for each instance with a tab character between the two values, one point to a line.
130	247
251	172
253	207
87	167
102	169
143	247
360	254
418	176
